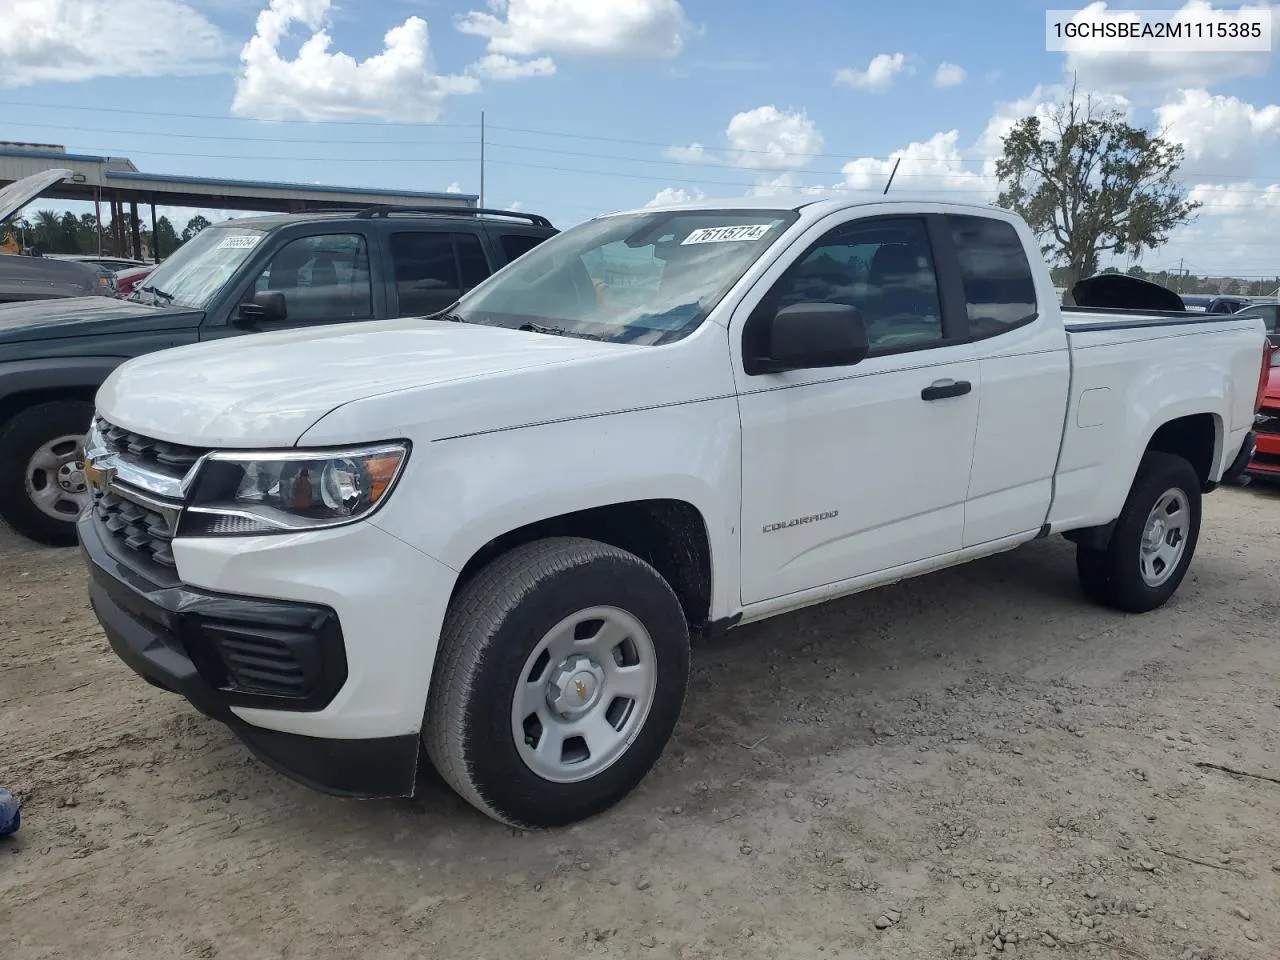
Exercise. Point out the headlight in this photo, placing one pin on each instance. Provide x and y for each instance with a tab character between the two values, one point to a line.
243	494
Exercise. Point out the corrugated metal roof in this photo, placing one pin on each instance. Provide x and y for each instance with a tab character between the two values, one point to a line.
279	185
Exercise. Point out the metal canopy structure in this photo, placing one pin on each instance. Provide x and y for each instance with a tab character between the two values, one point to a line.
116	182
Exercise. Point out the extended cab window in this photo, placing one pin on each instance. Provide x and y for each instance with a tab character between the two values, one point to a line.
999	288
432	270
323	278
882	267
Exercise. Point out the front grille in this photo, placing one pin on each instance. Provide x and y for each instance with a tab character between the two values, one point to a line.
143	451
146	531
1266	459
1268	421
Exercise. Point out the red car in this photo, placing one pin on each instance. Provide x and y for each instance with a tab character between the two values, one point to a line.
126	280
1266	461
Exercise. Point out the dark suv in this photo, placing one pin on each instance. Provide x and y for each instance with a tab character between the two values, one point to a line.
236	277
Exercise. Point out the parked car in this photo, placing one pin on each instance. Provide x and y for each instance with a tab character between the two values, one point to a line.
126	280
24	277
1268	310
1227	304
250	275
492	533
1266	461
1196	302
106	262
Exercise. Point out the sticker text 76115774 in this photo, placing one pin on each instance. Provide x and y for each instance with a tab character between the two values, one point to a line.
746	231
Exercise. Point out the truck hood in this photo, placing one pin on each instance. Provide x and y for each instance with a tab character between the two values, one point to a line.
21	192
267	389
87	316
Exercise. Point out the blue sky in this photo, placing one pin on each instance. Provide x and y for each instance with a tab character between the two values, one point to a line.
593	105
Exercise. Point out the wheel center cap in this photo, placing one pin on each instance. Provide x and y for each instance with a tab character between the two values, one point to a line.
1155	533
575	686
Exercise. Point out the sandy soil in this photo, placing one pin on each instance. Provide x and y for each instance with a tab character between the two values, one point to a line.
979	760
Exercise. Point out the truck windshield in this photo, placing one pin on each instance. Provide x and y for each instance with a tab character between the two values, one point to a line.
198	269
648	278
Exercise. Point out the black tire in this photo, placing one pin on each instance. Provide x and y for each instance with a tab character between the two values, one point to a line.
493	626
1113	577
20	438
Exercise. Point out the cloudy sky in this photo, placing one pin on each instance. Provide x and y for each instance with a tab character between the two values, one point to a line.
594	105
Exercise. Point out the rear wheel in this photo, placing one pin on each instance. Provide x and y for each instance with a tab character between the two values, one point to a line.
561	674
42	482
1153	540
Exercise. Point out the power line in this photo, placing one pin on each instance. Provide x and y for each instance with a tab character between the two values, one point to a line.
210	116
215	136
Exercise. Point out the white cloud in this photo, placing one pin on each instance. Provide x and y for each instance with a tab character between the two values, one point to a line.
949	75
400	83
785	184
926	166
1220	134
693	153
669	195
1234	233
70	40
515	205
454	187
878	76
642	29
768	137
1141	73
497	66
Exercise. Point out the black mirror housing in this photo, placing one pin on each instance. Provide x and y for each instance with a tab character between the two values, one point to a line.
267	306
804	336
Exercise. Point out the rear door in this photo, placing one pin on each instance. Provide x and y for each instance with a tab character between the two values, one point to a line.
1026	376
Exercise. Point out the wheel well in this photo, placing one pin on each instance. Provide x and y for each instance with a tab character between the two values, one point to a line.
15	403
1194	438
668	534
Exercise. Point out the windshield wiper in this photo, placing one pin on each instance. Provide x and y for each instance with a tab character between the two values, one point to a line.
157	293
558	331
451	317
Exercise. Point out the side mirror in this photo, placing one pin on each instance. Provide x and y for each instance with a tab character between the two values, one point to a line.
804	336
265	307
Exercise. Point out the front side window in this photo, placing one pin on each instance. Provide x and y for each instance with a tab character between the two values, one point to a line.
1269	312
323	278
647	278
999	288
882	267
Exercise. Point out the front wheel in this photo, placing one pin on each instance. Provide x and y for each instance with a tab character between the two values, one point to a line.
1153	540
561	674
42	482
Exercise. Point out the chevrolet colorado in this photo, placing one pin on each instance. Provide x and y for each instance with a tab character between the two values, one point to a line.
487	536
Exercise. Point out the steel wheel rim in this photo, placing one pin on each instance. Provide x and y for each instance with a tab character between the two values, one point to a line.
584	694
1164	537
55	478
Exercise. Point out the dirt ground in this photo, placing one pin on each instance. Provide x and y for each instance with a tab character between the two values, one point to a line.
978	761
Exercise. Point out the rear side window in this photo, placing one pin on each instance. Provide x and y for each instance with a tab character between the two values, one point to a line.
515	244
432	270
999	288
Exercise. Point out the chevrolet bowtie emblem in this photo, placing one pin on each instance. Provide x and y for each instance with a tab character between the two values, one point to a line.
98	477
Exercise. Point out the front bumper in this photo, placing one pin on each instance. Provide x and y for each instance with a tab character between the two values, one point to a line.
283	661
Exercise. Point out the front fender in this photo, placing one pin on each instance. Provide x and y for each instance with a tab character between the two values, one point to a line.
457	495
55	373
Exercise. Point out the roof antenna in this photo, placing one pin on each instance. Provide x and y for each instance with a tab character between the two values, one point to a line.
892	174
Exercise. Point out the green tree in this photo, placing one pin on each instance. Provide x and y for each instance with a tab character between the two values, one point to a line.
1089	183
165	240
46	228
194	226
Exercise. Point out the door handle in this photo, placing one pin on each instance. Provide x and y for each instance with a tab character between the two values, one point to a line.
941	389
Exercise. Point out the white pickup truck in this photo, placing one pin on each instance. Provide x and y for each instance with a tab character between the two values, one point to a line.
489	535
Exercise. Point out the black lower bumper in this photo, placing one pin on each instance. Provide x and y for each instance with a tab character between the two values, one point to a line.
1240	465
223	651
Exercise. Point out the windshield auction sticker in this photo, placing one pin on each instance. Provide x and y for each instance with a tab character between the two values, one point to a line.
1193	29
749	231
244	241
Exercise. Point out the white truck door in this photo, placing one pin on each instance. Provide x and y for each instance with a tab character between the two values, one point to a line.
1015	323
851	470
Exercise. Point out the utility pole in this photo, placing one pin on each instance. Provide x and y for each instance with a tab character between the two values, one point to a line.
1180	274
482	158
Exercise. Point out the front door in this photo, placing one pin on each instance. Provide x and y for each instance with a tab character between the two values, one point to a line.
851	470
